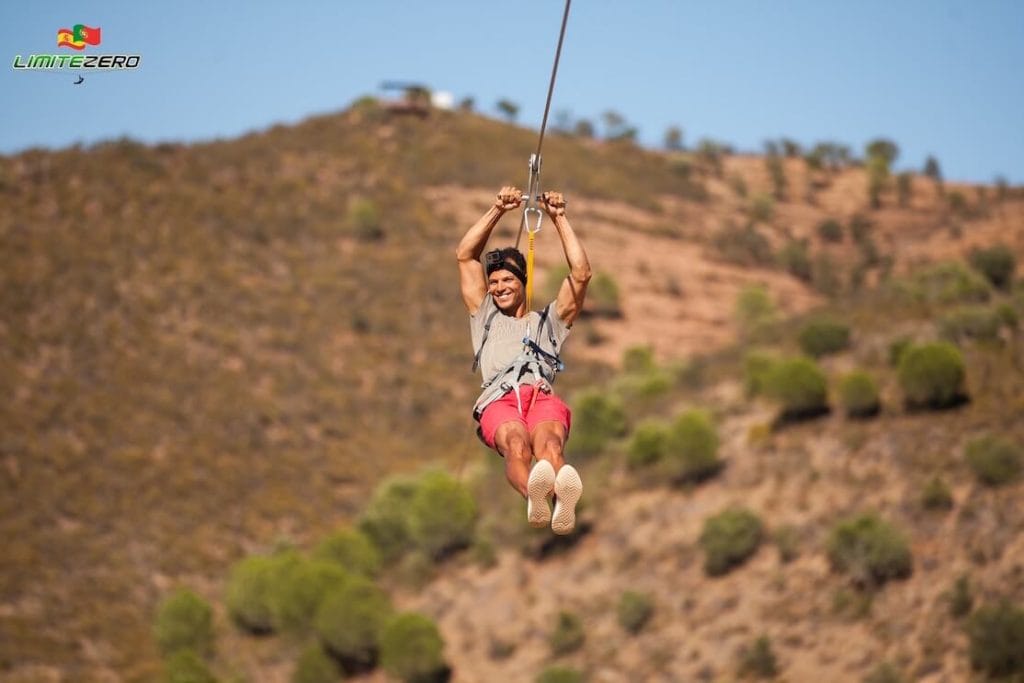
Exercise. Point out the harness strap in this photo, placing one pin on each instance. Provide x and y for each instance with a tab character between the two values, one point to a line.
487	330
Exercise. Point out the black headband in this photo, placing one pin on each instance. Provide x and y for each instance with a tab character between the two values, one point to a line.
508	265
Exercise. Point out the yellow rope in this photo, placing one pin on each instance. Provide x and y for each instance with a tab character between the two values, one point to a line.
529	271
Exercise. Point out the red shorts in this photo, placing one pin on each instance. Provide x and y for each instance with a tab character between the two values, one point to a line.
546	408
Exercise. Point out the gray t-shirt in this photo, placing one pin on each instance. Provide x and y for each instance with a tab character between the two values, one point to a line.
505	338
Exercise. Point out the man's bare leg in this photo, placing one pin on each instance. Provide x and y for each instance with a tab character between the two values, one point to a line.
548	440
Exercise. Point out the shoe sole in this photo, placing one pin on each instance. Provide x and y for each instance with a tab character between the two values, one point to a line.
539	487
568	489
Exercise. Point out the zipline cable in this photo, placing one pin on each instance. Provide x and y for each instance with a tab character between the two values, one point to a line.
533	185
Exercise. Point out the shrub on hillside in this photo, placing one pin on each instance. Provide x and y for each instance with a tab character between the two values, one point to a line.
560	674
729	539
745	246
639	359
351	550
385	519
634	611
299	587
568	634
970	323
800	386
997	263
184	621
411	648
932	375
822	337
994	459
691	448
647	445
830	230
349	622
960	599
858	393
897	348
761	208
950	283
185	666
870	550
758	660
603	296
597	417
315	666
936	495
364	220
795	259
754	309
442	514
996	633
756	367
249	594
884	672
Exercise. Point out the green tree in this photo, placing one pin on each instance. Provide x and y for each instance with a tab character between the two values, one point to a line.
674	139
508	109
729	539
411	648
184	621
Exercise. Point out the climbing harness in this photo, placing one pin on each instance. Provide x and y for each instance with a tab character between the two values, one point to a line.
533	193
533	358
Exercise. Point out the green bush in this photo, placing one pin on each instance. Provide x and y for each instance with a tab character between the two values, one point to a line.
884	672
729	539
897	348
638	359
185	666
560	674
300	586
970	323
795	260
830	230
761	208
756	367
950	283
315	666
364	220
936	495
754	309
997	263
800	386
858	393
932	375
960	599
691	448
744	246
647	445
184	621
994	460
442	514
568	635
823	337
996	634
597	417
411	648
385	519
249	594
634	611
758	660
870	550
349	622
603	296
352	550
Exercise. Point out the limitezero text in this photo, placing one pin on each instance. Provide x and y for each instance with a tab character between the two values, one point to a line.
78	62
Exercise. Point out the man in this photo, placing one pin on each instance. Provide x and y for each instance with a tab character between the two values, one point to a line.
517	350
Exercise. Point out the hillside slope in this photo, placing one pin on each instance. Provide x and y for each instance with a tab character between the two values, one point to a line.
209	349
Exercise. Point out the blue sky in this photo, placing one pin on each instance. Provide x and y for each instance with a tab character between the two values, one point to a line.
942	78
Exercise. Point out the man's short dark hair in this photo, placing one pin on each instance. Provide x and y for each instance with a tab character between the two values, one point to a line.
510	259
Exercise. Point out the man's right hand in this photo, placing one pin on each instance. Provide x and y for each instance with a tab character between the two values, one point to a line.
508	198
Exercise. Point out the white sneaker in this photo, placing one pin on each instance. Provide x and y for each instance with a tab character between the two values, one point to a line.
568	489
539	486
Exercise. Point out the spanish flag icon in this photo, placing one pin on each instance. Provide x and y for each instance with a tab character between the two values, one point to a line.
78	37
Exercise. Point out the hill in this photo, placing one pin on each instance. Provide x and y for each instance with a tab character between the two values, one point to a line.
212	349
